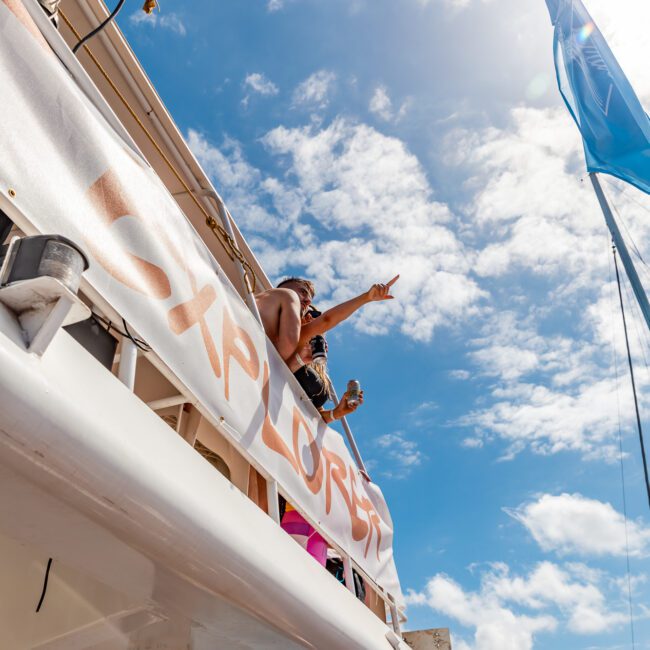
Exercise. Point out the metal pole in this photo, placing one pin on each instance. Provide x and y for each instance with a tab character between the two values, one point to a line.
128	362
637	287
351	440
272	499
347	573
629	362
394	615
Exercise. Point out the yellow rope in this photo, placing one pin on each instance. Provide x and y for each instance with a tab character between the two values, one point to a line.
227	242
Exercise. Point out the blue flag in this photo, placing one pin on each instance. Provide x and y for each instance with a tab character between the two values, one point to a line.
615	128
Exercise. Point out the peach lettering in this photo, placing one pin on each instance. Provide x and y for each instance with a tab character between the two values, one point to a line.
366	506
336	471
187	314
270	435
231	334
111	200
313	481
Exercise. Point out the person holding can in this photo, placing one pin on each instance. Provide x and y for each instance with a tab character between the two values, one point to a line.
282	311
315	381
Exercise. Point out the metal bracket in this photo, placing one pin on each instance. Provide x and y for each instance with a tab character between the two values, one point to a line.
42	306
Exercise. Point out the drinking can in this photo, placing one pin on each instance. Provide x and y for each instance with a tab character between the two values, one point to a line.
354	392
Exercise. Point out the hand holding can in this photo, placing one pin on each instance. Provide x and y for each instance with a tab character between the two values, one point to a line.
353	391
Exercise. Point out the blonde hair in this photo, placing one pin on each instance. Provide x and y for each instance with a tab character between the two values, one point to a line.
321	370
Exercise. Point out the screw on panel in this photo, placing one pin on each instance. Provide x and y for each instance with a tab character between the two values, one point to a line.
12	192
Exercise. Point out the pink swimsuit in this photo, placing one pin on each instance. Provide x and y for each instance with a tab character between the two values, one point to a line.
295	525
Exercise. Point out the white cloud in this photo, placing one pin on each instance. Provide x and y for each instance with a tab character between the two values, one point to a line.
314	91
496	627
369	190
400	454
380	103
276	5
237	180
557	392
372	198
508	611
258	83
571	523
529	204
382	106
574	592
583	419
170	21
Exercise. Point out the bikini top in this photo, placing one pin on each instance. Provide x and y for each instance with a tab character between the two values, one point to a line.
313	385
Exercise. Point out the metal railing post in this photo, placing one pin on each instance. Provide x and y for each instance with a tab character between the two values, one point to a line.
394	616
350	437
347	573
272	499
128	363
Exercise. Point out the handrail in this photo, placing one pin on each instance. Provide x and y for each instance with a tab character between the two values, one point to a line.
351	440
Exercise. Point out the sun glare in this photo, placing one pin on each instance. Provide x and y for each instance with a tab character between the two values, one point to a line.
585	32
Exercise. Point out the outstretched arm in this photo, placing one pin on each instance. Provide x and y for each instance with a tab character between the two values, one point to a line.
332	317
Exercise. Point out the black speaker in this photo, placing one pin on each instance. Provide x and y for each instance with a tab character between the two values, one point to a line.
94	337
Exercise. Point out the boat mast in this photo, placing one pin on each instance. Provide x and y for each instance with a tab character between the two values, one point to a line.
637	287
641	298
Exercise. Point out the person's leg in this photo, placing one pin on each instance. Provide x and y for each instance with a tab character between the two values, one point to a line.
305	534
317	547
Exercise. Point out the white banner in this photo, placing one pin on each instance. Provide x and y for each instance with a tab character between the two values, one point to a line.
74	176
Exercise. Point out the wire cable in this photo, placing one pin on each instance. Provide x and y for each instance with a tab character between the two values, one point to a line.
139	343
47	576
642	339
99	28
636	401
227	242
620	456
622	192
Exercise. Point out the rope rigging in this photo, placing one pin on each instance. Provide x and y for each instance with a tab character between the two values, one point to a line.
620	458
227	242
634	392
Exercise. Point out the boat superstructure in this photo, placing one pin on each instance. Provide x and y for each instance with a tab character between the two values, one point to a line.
141	456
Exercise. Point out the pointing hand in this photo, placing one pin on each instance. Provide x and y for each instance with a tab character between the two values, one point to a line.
381	291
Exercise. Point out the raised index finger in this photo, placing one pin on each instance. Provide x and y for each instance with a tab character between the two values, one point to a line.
393	281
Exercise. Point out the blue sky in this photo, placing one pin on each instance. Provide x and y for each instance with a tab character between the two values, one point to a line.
358	139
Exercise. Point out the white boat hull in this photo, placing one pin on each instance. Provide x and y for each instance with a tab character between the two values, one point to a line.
151	546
